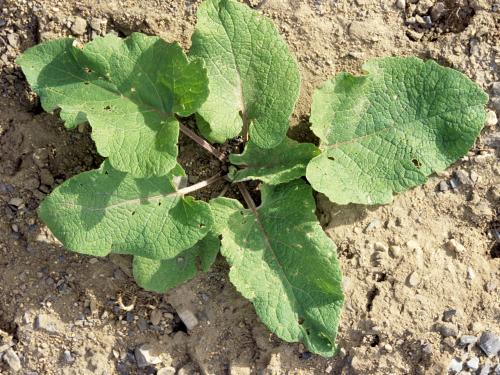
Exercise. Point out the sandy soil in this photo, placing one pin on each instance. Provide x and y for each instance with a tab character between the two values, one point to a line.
420	273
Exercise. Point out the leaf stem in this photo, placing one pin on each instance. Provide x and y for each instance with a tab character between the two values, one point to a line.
200	185
202	142
247	197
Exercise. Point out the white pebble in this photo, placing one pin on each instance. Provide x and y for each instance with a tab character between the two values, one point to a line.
414	279
401	4
188	318
491	118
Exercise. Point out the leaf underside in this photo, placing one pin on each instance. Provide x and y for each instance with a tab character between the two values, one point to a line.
128	89
253	78
105	210
284	263
385	132
163	275
277	165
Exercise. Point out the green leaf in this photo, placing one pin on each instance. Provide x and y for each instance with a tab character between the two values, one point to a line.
128	89
162	275
284	263
105	211
253	78
385	132
284	163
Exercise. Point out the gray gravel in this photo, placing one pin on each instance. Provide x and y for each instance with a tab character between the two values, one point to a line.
489	343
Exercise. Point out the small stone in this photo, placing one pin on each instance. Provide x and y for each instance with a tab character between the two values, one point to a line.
470	273
145	357
414	35
16	202
329	369
455	365
496	371
2	22
79	26
142	324
401	4
97	23
449	314
448	330
454	183
495	103
491	118
239	370
188	318
438	10
427	348
156	317
395	251
463	177
12	360
46	177
491	286
388	348
477	327
485	370
473	363
455	246
489	343
443	186
13	40
41	157
495	88
68	357
380	246
48	323
414	279
374	224
468	340
166	371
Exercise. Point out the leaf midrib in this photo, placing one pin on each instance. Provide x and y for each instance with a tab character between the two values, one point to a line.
270	248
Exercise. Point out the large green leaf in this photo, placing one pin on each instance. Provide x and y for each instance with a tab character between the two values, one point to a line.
105	211
283	163
385	132
284	263
253	78
162	275
128	89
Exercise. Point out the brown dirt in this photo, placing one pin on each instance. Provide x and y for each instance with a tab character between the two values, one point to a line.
389	326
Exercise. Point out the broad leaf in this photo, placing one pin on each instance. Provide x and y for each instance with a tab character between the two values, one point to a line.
253	78
105	211
284	163
128	89
385	132
162	275
284	263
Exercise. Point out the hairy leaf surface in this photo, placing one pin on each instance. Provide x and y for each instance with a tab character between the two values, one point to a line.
385	132
284	263
253	78
162	275
128	89
277	165
105	211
